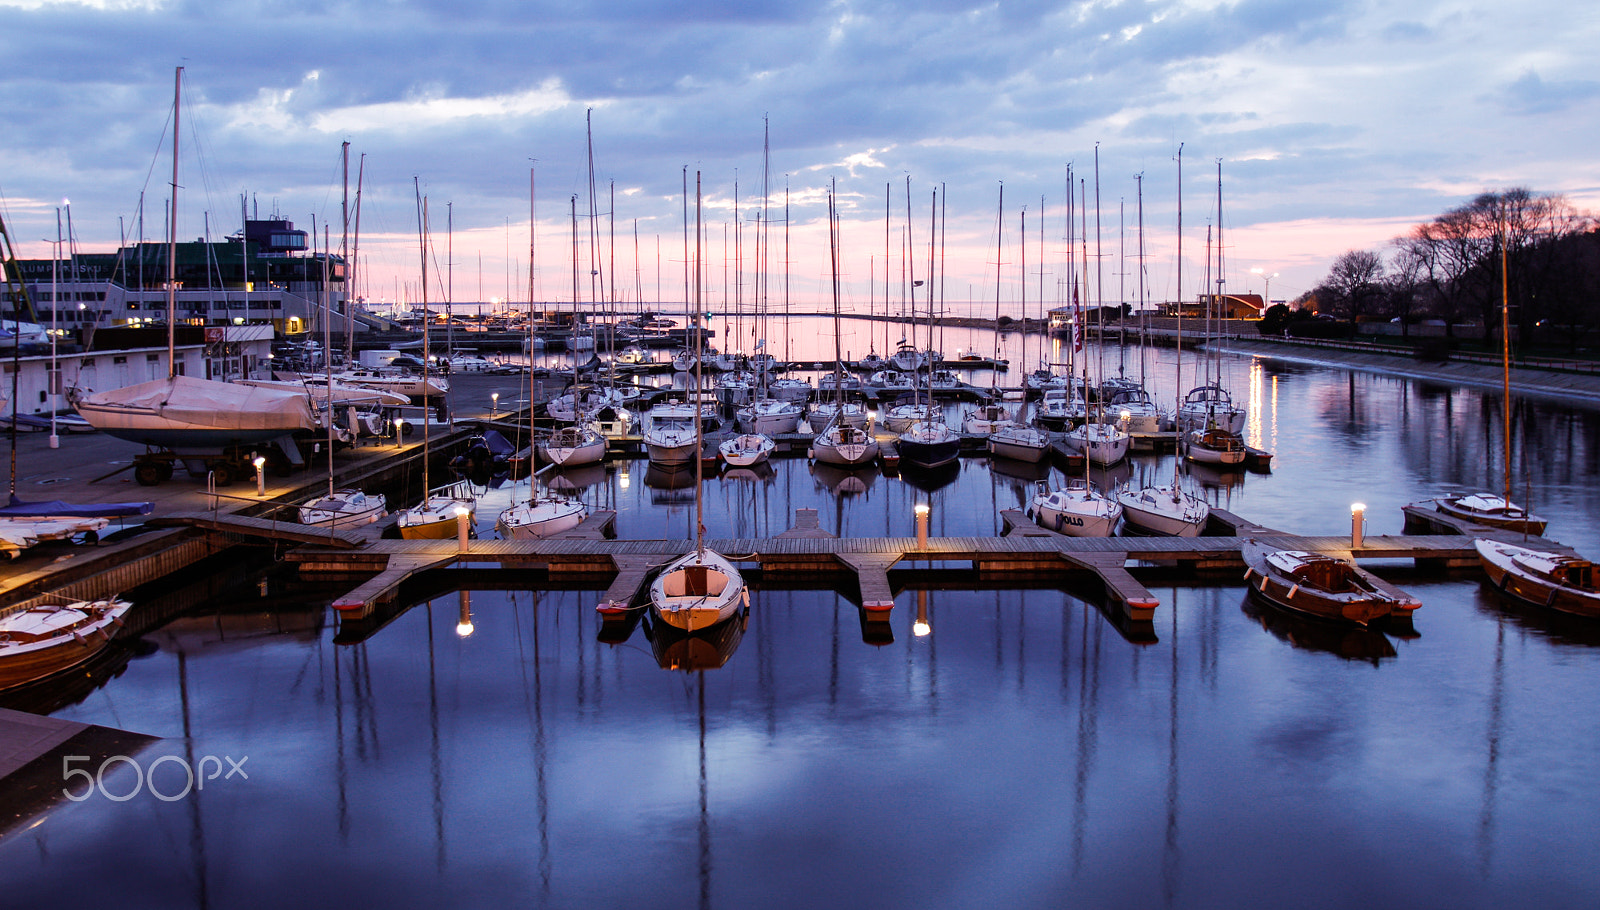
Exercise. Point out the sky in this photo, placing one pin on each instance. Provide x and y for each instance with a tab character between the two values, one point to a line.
1338	124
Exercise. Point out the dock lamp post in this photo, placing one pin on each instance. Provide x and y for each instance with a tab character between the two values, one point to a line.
1358	517
399	430
922	510
461	528
494	404
261	476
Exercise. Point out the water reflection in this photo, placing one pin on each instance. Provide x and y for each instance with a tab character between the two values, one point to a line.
706	649
1348	642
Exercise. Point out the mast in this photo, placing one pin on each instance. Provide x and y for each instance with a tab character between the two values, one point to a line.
1177	360
699	427
172	234
327	353
999	235
1505	360
344	236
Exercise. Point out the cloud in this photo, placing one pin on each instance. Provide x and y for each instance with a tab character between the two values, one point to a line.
1529	94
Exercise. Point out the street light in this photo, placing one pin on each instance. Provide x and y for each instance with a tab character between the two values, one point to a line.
1357	524
261	477
1266	289
922	510
494	402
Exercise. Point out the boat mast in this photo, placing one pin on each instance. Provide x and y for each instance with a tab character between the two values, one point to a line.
699	427
1177	360
1505	363
999	234
172	235
327	352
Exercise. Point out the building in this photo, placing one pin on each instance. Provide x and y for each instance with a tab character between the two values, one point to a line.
263	278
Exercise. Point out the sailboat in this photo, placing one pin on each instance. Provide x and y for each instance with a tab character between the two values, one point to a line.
702	587
184	413
840	442
578	443
437	517
755	446
46	640
350	507
928	442
1169	511
1100	441
1498	511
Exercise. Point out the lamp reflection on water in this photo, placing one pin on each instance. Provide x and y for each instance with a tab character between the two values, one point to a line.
921	627
464	624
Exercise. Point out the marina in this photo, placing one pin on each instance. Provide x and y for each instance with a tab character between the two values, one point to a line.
926	607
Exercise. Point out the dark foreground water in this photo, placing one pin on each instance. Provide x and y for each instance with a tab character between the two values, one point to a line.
1027	751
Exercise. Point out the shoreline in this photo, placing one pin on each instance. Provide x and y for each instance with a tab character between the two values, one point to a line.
1566	388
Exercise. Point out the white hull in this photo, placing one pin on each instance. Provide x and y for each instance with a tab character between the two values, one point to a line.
1164	511
1077	512
697	591
1101	443
343	509
844	446
573	446
544	517
1019	443
770	417
746	449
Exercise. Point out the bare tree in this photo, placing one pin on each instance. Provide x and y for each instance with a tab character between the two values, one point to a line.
1354	283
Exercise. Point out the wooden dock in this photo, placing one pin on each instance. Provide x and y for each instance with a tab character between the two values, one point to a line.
621	567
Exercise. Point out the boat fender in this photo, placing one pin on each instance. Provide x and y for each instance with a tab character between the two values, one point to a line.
1263	584
78	637
1295	589
1248	572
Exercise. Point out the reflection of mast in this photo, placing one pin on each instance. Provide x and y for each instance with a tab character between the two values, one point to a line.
433	743
338	754
1491	771
1169	855
197	837
705	818
1088	706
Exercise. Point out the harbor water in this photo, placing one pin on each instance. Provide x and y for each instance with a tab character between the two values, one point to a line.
998	744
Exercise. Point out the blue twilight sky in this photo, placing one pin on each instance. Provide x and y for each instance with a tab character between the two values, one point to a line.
1339	123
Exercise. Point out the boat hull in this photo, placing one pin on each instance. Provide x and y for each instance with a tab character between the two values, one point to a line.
1321	586
1512	569
1163	512
540	519
697	590
63	640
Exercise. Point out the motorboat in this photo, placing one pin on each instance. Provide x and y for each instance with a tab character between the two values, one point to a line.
43	641
1321	585
1558	581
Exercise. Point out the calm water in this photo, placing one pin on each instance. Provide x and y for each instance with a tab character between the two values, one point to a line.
1024	753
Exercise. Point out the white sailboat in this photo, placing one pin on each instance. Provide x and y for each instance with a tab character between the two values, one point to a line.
839	442
702	587
1168	511
1105	440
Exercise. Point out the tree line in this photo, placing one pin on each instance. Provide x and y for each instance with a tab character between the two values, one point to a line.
1450	269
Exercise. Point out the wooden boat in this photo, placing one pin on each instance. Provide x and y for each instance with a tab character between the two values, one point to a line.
1323	586
46	640
1494	511
1553	580
697	590
1214	445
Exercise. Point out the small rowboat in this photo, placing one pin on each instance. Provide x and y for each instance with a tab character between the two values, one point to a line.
1322	586
46	640
1553	580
